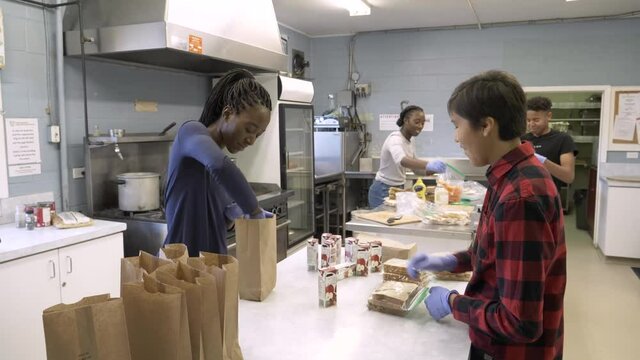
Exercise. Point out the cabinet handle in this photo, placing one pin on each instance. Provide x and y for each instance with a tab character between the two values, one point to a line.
53	269
69	265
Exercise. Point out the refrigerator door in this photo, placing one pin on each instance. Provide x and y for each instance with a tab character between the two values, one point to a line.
296	134
328	153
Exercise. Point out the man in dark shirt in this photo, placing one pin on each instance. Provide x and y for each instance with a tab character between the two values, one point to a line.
555	149
513	303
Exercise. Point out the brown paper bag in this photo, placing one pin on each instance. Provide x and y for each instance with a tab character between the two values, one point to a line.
257	255
175	252
157	320
202	308
93	328
132	268
225	269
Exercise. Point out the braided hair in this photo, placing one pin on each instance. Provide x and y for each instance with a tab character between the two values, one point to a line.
237	89
405	113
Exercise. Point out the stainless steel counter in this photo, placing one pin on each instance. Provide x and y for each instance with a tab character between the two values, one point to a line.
413	230
290	325
410	176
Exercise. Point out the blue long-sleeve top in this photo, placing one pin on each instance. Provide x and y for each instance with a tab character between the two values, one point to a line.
201	182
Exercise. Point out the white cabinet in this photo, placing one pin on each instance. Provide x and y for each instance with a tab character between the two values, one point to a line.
31	284
619	233
91	268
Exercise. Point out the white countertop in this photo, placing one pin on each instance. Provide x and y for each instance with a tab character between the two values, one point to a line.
16	243
290	324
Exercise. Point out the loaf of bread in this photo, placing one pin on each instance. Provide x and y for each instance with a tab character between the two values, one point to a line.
394	293
449	276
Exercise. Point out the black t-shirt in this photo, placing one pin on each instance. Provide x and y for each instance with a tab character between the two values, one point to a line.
551	145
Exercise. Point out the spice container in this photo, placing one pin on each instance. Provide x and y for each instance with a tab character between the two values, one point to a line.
43	214
29	219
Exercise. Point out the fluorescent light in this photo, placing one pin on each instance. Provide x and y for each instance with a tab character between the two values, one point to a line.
570	0
357	7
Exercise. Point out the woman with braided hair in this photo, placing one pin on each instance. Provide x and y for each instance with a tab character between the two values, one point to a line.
205	191
399	154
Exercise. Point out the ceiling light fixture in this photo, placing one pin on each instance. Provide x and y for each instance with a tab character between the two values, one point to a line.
357	7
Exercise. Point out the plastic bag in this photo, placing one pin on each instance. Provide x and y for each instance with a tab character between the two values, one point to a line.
473	191
408	203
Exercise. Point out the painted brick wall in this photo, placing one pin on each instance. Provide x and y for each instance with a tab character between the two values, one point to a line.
424	67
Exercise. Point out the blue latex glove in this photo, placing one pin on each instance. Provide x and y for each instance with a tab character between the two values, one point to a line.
233	211
436	166
423	262
541	158
438	302
263	214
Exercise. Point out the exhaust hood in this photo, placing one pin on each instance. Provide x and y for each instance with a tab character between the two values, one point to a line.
204	36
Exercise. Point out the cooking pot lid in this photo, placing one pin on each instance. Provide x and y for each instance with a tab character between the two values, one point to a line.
137	175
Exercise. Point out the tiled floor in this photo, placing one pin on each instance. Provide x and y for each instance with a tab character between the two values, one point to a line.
602	302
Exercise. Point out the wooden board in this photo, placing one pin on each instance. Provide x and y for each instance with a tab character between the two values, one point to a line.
382	216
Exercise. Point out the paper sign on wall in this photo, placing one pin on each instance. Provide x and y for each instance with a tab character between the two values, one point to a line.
25	170
428	122
624	128
388	122
23	141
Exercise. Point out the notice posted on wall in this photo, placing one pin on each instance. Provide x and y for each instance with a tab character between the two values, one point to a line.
428	122
23	141
24	170
388	122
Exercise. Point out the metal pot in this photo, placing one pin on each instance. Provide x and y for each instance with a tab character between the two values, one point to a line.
139	191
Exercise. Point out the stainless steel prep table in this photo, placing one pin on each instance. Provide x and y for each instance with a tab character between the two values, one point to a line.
290	325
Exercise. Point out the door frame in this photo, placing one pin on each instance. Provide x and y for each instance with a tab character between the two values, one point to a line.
603	136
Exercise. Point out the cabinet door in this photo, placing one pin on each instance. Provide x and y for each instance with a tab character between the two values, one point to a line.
91	268
622	223
29	285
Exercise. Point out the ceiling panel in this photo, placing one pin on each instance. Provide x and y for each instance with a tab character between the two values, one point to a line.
328	17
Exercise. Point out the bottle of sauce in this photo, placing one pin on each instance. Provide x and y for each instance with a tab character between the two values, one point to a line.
441	195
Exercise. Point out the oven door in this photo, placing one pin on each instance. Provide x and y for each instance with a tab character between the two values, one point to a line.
282	237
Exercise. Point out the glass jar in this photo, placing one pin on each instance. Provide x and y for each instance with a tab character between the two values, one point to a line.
441	195
30	219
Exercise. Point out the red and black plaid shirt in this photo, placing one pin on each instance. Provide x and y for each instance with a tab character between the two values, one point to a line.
514	300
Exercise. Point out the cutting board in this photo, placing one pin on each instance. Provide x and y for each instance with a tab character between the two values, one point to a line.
382	216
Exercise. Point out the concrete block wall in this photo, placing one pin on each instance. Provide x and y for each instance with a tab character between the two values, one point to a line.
26	93
424	67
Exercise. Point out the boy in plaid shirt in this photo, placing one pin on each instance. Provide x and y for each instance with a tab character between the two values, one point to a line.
513	303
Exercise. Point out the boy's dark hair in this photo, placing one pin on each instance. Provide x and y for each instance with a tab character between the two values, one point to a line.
237	89
406	112
539	103
495	94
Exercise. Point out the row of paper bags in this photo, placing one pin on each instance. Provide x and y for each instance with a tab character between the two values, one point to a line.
179	309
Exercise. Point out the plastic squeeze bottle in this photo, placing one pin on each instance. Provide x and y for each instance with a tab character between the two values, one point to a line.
420	189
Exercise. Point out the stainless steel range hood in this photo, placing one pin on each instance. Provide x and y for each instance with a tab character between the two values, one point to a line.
205	36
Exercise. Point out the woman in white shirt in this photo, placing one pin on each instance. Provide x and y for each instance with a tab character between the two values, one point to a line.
399	154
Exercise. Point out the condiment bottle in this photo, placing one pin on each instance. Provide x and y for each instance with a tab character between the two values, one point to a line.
30	219
441	195
20	217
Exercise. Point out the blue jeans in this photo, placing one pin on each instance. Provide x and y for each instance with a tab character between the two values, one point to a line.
377	192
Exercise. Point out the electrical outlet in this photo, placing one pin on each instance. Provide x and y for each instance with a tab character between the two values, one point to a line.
54	134
363	90
78	173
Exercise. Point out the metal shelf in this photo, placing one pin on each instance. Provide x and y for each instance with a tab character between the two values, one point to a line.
576	105
574	119
585	139
294	203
